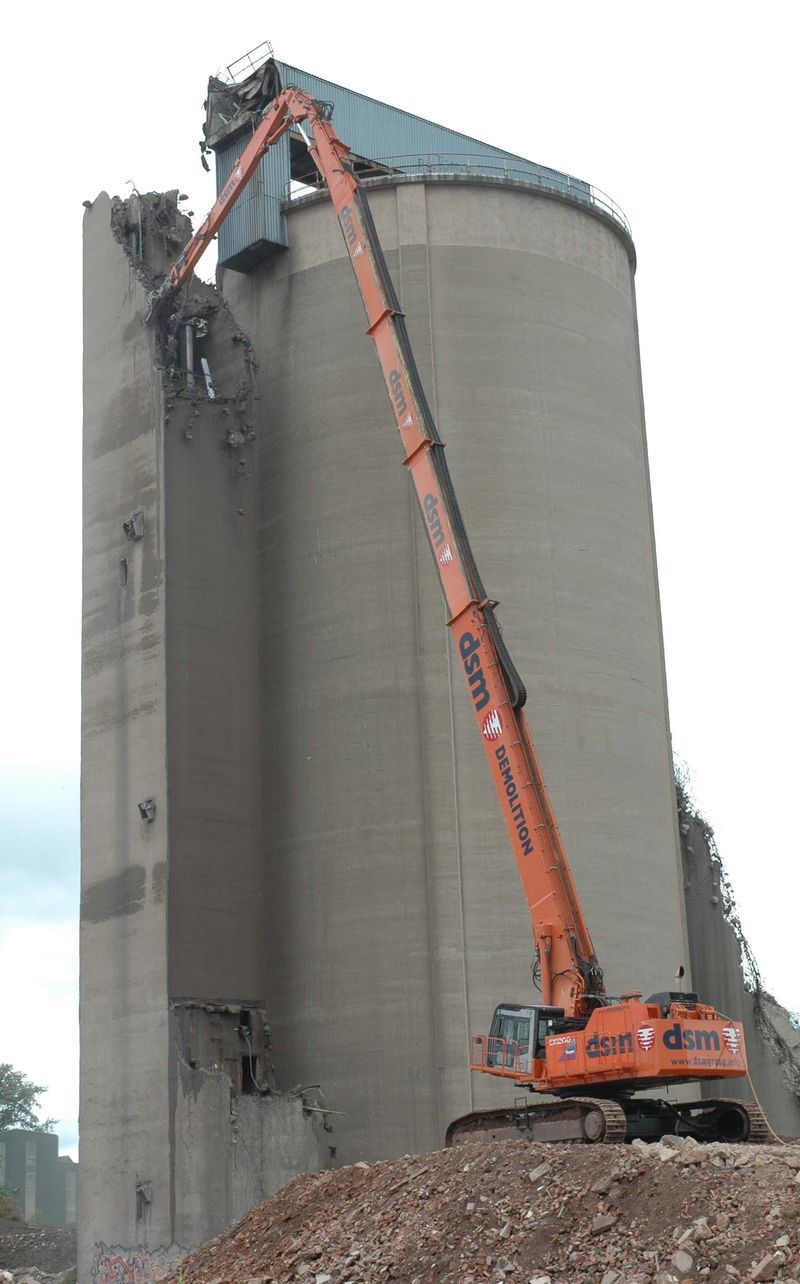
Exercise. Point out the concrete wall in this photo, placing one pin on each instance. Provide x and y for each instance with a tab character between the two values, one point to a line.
393	914
125	1046
171	900
718	952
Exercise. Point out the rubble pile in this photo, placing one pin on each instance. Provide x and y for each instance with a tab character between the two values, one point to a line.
38	1251
30	1275
522	1213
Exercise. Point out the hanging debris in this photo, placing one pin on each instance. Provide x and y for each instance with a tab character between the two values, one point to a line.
725	970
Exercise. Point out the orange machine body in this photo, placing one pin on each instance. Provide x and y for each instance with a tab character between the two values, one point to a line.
629	1045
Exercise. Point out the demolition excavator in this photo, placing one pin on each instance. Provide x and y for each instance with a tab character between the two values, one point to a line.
590	1053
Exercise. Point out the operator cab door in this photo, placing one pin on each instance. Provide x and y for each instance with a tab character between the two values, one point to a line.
511	1037
517	1036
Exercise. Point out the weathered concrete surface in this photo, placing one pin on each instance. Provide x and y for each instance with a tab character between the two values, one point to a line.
171	871
395	921
719	952
125	1048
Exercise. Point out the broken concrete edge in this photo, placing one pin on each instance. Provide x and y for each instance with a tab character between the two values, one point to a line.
233	107
774	1022
247	1021
152	231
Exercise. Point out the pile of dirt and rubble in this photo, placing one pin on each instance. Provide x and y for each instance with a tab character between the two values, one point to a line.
519	1213
42	1252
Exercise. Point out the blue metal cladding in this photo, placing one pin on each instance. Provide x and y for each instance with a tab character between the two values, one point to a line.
256	217
377	132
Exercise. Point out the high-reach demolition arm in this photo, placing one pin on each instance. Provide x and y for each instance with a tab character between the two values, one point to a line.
570	976
578	1037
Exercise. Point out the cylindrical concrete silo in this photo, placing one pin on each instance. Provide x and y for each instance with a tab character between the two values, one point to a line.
395	920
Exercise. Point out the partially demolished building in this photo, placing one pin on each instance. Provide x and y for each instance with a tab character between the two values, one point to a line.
297	903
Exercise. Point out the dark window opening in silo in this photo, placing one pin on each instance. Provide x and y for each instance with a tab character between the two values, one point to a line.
250	1075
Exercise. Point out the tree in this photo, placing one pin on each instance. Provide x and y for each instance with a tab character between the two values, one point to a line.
19	1099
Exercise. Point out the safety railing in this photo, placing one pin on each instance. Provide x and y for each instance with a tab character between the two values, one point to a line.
511	169
499	1056
248	63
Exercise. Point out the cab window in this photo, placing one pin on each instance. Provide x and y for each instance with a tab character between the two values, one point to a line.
516	1029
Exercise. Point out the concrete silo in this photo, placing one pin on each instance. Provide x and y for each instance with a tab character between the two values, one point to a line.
394	917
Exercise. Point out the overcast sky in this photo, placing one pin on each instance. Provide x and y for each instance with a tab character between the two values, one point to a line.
686	113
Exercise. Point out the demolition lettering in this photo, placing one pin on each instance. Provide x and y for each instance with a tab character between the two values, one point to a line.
468	647
512	797
398	396
677	1039
609	1045
348	227
430	505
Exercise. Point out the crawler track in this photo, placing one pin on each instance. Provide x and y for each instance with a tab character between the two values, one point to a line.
598	1120
577	1119
724	1119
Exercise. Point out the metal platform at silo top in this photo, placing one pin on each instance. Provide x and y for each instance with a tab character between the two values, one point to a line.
381	138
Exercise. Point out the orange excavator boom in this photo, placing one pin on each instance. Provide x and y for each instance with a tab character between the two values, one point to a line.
570	976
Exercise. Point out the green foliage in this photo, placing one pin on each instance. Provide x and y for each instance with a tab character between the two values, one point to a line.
19	1099
9	1211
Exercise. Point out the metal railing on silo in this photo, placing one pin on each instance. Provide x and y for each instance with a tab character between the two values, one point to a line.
512	169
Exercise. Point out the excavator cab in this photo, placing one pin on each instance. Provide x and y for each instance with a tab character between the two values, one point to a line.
517	1035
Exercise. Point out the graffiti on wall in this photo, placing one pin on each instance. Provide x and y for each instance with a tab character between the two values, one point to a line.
118	1265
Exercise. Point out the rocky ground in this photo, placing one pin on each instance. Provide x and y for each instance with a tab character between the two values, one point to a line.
42	1252
517	1213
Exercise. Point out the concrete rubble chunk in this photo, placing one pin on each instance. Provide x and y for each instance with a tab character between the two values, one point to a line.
670	1140
768	1267
541	1170
683	1261
603	1222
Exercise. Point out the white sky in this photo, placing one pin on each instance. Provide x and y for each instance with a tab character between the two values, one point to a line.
686	113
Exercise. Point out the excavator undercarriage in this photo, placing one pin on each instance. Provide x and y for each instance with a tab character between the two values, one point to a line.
597	1119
